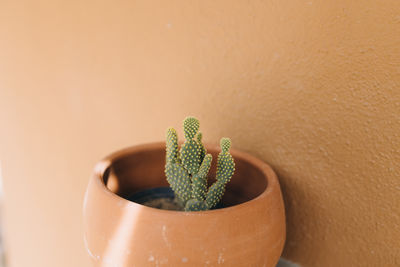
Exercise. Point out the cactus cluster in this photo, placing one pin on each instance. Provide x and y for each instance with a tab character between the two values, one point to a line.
187	168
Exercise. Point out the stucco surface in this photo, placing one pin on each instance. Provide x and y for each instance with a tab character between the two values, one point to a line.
311	87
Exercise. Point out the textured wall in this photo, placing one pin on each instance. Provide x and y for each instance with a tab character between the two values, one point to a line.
312	87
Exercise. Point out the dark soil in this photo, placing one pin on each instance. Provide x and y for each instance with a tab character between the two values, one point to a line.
164	203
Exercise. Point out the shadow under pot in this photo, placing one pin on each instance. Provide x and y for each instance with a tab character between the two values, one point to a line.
248	229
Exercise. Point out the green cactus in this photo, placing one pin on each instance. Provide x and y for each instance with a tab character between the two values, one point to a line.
187	169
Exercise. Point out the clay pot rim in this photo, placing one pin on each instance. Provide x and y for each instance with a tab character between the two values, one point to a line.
264	168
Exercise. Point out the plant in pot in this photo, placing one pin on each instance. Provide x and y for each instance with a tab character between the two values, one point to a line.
187	173
132	217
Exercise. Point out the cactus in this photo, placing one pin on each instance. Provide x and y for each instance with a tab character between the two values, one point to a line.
187	169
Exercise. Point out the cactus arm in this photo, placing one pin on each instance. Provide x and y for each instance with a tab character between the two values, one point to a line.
214	194
172	154
225	164
190	151
225	170
195	205
179	180
190	127
225	167
199	180
203	150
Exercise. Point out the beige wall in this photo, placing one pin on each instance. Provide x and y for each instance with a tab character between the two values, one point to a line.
312	87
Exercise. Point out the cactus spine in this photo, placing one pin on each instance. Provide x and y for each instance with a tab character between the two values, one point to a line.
187	169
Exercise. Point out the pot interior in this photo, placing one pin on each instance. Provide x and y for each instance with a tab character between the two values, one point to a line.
143	169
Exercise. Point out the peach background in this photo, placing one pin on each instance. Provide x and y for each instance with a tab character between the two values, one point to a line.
312	87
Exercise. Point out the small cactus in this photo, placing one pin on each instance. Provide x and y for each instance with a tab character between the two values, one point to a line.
187	169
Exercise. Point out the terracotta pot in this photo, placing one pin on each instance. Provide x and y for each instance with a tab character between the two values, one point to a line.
250	231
